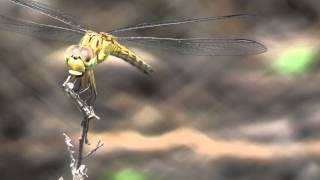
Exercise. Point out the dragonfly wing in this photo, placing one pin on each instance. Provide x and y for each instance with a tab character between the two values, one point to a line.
185	21
39	30
199	47
51	12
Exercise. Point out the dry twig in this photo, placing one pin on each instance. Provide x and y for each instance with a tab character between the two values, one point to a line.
79	170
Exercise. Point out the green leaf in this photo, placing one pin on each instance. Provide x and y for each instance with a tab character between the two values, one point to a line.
294	60
128	174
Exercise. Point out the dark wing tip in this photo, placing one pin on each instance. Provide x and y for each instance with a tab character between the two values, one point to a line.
261	48
254	47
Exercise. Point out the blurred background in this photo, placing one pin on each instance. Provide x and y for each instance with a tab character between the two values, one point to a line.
204	118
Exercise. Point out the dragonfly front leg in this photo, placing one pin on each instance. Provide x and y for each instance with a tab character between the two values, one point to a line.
88	93
71	80
91	95
85	90
83	85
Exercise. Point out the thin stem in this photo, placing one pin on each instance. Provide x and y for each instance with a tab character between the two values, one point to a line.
99	145
82	140
77	168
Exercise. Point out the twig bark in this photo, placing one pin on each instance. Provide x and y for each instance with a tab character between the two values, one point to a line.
78	173
82	140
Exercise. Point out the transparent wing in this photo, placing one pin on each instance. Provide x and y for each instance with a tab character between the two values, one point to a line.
39	30
170	23
51	12
199	47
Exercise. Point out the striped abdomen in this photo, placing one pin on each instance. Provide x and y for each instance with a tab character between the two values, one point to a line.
131	57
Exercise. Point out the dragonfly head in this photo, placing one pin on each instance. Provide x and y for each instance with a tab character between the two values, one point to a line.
79	60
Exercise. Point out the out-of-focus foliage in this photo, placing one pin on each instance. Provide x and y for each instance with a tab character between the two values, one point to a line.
128	174
295	60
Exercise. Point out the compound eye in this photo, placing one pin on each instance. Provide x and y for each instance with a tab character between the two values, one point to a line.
73	51
86	54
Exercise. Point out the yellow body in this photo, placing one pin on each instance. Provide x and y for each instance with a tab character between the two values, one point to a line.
101	45
104	44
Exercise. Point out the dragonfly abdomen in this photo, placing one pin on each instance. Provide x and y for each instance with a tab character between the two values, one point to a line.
131	57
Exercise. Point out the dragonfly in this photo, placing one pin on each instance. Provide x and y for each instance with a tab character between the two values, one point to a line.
92	48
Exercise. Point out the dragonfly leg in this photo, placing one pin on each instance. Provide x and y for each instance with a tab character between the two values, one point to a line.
84	90
84	85
93	89
67	80
92	95
88	94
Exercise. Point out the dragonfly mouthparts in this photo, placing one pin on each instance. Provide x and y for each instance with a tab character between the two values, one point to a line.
75	73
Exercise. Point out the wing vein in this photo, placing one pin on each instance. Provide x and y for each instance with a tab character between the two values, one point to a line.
50	12
39	30
170	23
199	46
